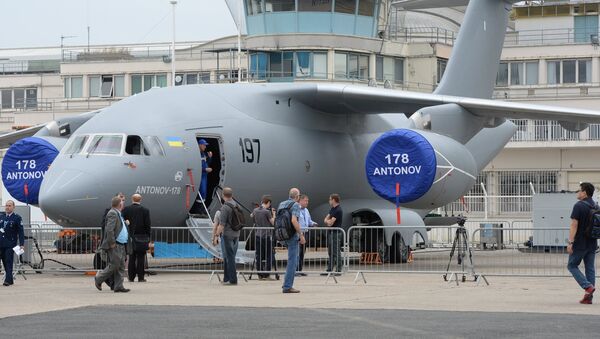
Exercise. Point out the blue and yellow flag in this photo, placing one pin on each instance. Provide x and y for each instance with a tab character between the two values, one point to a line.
175	141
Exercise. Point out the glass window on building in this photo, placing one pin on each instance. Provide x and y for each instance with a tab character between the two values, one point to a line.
19	95
94	83
532	70
143	82
254	7
569	71
106	90
388	69
314	5
379	68
584	71
73	87
302	64
191	78
275	69
363	67
136	84
345	6
516	73
553	72
287	64
341	66
280	5
399	70
119	86
502	77
353	66
320	65
31	98
258	65
7	98
441	68
366	7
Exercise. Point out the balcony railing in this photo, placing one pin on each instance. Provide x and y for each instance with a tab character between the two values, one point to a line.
546	131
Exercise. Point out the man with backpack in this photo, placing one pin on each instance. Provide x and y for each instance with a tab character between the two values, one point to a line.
286	222
582	243
231	223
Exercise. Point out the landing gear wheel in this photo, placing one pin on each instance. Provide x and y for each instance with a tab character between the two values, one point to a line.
464	278
445	276
398	252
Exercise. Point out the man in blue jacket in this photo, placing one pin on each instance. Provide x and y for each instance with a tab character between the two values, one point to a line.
206	160
10	229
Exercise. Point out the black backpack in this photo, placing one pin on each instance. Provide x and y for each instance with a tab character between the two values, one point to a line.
238	221
593	226
284	229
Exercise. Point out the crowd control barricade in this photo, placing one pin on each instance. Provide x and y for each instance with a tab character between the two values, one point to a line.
369	251
52	248
323	253
525	251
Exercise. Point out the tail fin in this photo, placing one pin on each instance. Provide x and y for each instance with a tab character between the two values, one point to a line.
473	64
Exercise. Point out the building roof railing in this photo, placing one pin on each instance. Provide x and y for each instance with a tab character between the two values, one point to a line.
555	36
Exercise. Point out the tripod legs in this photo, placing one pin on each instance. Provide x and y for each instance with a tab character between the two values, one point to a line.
461	247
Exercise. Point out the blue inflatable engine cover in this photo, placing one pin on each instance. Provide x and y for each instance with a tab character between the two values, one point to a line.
24	167
404	157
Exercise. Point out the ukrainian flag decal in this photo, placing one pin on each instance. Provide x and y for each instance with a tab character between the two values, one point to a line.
175	141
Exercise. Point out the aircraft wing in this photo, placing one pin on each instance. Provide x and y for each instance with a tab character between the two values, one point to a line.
342	99
10	138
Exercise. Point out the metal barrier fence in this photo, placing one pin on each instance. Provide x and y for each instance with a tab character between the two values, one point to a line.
544	253
515	249
51	248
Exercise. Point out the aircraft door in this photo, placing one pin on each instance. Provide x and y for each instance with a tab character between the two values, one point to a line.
214	176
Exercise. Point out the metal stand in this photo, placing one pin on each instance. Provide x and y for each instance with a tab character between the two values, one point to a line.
461	246
332	275
18	269
360	274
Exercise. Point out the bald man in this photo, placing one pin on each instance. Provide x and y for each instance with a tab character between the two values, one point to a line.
137	217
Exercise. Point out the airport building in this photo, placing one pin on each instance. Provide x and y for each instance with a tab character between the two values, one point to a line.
551	56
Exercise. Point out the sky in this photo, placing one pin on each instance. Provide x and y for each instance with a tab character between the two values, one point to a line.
40	23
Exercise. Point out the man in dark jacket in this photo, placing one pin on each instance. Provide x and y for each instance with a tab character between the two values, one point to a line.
10	229
138	219
114	243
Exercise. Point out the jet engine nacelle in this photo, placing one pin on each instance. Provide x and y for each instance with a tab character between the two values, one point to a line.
419	169
25	164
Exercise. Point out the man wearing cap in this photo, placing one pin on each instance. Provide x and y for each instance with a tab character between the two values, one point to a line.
11	230
206	160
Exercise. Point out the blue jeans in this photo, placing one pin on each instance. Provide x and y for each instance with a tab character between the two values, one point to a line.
588	257
292	262
229	247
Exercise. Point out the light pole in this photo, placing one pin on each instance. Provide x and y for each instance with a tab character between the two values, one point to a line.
174	3
239	53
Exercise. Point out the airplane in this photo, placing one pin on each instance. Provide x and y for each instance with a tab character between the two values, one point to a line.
380	149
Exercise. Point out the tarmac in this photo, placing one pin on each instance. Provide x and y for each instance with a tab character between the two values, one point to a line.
388	305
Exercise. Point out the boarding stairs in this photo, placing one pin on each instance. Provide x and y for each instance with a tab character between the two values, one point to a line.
201	230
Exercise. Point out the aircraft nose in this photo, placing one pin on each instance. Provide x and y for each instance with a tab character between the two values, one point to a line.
67	197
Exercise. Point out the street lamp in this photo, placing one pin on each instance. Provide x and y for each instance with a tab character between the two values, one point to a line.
174	3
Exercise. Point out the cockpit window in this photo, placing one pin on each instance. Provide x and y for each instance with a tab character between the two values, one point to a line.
135	146
77	144
153	144
105	144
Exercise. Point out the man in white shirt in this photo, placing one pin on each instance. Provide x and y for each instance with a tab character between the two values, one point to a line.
305	222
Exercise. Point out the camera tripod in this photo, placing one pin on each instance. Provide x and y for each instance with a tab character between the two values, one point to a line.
461	247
